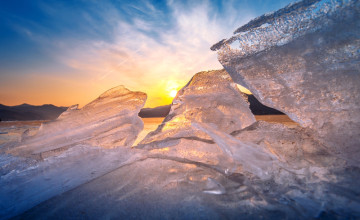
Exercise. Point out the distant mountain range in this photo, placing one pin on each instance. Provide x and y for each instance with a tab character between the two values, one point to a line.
26	112
160	111
259	109
255	106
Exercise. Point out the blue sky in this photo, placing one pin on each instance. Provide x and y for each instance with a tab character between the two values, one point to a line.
68	52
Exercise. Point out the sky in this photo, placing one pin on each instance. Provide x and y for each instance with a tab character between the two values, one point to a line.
69	52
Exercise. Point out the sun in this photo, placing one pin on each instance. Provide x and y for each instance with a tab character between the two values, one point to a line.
172	93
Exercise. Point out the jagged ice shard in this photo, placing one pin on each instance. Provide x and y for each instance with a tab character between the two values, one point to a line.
209	159
109	121
261	165
210	97
71	150
304	61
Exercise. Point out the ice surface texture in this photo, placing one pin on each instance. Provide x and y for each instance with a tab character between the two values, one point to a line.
260	165
210	97
277	172
209	160
72	149
30	182
263	169
109	121
304	61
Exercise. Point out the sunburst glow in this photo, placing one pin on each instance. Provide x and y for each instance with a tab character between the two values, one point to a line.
173	93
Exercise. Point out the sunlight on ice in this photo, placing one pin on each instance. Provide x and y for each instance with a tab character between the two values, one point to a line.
209	157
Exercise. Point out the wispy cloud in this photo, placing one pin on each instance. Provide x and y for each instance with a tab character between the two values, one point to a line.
145	45
146	56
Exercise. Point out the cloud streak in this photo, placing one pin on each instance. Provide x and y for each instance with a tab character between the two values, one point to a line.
145	56
143	45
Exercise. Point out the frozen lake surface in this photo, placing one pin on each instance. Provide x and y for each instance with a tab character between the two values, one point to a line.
12	130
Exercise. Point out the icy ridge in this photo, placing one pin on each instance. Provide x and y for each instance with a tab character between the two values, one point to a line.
305	63
280	27
209	97
109	121
32	182
254	180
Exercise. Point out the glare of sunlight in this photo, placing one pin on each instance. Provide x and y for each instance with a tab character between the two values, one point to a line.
173	93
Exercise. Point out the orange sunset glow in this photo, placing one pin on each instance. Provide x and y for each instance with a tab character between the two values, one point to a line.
69	56
179	109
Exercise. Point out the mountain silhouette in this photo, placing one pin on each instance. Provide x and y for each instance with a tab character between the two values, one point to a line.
26	112
255	106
